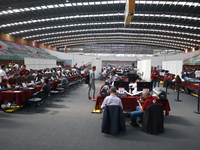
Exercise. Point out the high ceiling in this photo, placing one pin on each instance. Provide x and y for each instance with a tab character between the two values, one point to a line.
75	23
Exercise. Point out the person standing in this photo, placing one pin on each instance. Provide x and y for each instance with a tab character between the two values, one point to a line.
91	84
154	76
197	74
3	73
24	71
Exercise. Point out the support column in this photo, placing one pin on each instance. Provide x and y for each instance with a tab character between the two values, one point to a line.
65	49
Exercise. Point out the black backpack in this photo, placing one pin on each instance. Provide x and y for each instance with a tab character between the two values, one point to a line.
87	78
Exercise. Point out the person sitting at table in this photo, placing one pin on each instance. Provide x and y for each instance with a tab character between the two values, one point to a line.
4	85
24	71
112	99
64	80
136	116
113	76
45	88
12	81
36	75
48	71
135	86
117	79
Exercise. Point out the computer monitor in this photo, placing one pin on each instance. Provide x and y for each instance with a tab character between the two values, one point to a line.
48	75
132	77
121	84
39	77
119	73
30	78
21	80
54	74
144	86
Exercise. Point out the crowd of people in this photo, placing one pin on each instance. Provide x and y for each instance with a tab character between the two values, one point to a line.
9	79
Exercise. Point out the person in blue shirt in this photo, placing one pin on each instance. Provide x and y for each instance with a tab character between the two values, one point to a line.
64	80
183	76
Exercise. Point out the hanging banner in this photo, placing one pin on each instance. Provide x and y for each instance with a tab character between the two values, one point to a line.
7	37
22	41
33	44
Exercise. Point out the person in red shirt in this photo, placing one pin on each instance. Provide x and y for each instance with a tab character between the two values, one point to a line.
24	71
136	116
154	76
12	81
166	76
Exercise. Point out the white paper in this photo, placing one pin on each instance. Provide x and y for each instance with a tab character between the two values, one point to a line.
24	85
121	90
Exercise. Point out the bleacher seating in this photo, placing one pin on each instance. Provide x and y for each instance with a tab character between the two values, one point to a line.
15	51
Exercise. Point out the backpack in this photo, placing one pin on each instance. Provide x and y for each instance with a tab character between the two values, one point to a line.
87	78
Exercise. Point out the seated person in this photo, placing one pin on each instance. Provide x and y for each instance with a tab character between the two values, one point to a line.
48	71
104	72
46	88
4	85
113	76
117	79
112	99
135	86
14	70
64	80
12	81
136	116
183	75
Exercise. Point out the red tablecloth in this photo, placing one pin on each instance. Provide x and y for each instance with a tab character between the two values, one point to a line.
130	103
54	84
73	78
84	74
18	96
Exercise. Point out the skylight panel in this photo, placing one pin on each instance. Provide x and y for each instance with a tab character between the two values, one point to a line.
98	3
27	9
16	10
68	4
38	8
50	6
44	7
91	3
61	5
33	8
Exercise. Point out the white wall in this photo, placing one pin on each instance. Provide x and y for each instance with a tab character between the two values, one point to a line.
155	60
98	64
79	59
158	60
174	67
36	63
144	67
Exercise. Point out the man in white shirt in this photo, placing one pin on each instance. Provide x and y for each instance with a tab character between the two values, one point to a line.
48	71
197	74
112	99
5	85
3	73
16	66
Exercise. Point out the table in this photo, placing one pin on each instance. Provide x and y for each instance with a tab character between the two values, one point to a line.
54	84
18	96
130	103
84	74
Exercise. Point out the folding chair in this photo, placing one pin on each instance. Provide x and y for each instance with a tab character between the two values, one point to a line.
36	101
